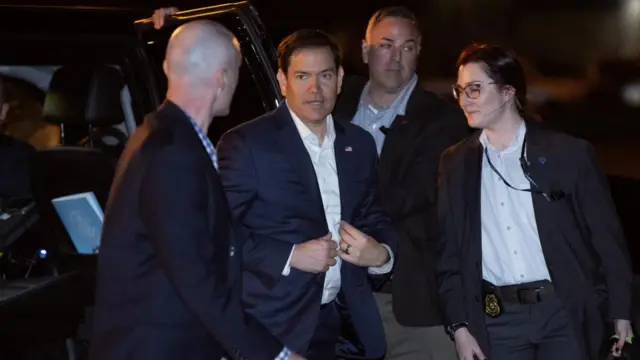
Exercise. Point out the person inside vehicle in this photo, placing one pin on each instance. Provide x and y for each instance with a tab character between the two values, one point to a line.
15	159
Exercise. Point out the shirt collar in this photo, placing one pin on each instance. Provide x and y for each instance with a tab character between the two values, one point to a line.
515	144
307	135
399	105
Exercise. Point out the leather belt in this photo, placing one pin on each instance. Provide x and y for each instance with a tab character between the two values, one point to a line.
527	293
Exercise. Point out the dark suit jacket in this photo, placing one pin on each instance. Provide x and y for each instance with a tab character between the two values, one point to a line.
408	171
580	234
272	188
15	161
169	282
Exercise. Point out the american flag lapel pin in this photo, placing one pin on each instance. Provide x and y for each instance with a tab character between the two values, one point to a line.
348	149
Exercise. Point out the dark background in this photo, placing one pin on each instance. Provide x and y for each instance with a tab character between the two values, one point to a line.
581	56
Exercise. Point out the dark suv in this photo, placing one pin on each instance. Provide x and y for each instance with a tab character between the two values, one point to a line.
75	82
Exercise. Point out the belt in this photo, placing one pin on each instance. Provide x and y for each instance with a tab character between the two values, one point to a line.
527	293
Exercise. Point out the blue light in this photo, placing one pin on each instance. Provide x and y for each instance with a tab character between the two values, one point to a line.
42	253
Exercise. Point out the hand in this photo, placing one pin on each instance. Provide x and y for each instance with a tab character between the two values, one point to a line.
316	255
359	248
160	15
467	346
295	356
623	331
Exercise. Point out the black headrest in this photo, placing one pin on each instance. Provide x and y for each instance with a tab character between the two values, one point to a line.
84	94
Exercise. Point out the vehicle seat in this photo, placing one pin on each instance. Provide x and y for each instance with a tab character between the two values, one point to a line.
85	100
88	95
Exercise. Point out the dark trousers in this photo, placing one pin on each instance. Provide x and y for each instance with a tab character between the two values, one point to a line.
540	331
325	336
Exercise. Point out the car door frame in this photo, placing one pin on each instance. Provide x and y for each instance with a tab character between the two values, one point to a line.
260	63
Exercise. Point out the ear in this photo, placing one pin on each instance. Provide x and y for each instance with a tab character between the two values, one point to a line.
282	80
509	92
165	68
340	76
365	51
418	45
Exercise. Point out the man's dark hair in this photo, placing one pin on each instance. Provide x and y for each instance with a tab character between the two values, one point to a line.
305	39
399	12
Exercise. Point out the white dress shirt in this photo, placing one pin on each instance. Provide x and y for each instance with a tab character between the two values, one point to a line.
511	250
324	163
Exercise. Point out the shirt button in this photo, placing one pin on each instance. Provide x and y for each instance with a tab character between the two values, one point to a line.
521	276
501	204
508	227
515	252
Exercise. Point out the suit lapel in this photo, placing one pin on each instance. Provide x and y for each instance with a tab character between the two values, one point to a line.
404	133
538	164
344	154
395	142
472	183
293	149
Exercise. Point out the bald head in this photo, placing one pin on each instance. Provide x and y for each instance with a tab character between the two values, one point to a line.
202	65
199	49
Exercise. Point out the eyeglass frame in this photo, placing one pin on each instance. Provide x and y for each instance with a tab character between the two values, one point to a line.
462	90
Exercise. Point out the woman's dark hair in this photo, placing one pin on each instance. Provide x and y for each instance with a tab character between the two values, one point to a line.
502	66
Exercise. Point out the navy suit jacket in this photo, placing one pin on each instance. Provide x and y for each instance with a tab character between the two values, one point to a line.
169	278
272	189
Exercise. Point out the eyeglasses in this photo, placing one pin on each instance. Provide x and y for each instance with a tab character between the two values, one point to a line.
472	90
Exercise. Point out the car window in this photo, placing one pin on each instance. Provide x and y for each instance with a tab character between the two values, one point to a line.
253	96
21	113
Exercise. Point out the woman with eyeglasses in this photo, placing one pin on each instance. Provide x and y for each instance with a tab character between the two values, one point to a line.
532	262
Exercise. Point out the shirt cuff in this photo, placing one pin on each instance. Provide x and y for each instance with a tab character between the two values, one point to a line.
284	354
287	266
386	268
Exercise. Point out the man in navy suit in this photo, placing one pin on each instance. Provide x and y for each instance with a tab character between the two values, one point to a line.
304	186
169	275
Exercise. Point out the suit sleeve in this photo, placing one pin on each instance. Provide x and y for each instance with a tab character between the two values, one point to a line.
598	209
372	219
262	255
448	255
174	208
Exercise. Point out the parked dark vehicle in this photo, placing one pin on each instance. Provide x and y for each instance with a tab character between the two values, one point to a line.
77	82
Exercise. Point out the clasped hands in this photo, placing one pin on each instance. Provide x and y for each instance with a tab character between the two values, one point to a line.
356	247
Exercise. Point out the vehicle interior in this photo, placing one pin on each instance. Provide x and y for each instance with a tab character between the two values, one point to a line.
75	100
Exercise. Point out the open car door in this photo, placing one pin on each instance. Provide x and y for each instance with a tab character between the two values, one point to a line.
257	91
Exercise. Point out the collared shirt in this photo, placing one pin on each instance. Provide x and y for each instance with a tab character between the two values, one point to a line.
372	119
213	154
324	163
511	249
208	145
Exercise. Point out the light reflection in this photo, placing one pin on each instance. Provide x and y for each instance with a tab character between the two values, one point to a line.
630	28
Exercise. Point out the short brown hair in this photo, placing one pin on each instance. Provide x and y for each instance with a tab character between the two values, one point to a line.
304	39
399	12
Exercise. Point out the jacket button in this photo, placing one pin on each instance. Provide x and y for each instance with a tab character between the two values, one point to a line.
477	298
232	250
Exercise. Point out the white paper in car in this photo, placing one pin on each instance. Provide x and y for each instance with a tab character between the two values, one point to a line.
82	217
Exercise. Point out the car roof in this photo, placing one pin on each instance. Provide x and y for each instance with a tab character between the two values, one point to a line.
68	19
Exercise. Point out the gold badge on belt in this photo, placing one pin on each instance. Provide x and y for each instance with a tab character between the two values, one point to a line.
492	305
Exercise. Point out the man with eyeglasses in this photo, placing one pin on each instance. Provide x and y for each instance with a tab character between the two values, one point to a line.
411	128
